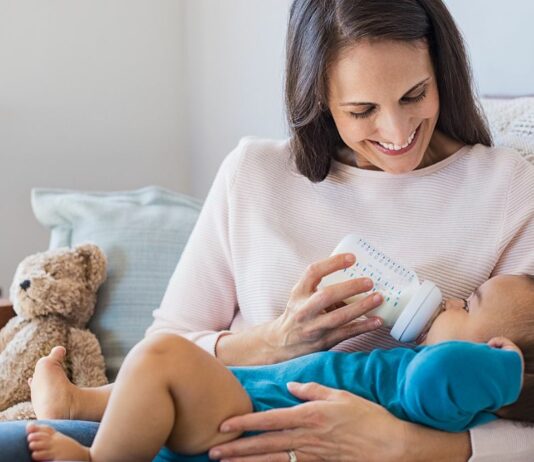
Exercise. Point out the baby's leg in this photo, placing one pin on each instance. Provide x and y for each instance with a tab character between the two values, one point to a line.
168	392
54	396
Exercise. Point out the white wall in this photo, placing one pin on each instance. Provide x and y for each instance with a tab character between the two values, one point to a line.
235	60
118	94
500	38
90	98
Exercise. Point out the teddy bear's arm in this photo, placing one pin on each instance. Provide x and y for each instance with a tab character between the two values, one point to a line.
18	359
13	326
86	360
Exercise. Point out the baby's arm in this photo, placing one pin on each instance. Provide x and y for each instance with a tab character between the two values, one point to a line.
454	386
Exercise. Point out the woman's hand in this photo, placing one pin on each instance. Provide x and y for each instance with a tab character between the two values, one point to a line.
316	319
336	426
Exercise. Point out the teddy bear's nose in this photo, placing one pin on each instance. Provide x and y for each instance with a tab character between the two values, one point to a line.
25	284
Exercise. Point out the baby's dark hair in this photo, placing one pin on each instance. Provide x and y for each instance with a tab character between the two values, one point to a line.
521	332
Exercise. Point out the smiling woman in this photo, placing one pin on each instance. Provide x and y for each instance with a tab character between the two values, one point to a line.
387	78
394	130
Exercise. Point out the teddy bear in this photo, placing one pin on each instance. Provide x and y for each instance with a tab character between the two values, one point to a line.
54	296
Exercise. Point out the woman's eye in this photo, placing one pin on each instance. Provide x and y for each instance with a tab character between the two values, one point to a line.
362	115
406	99
415	99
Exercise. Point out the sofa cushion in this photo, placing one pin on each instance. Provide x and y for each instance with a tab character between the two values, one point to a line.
142	233
512	123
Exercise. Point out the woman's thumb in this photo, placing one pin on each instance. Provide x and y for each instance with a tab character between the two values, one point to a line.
312	391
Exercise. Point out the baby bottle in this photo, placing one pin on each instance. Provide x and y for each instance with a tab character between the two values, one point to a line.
408	306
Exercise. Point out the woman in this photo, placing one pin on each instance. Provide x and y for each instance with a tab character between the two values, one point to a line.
386	142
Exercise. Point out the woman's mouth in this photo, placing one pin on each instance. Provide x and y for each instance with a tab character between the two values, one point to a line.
393	149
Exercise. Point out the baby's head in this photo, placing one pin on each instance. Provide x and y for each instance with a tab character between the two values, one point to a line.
501	307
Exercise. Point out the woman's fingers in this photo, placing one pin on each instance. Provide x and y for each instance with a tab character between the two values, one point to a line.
346	314
288	428
319	269
312	391
282	456
352	329
275	419
325	297
266	443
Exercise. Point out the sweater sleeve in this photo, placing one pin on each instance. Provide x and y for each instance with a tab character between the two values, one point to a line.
517	236
454	386
200	301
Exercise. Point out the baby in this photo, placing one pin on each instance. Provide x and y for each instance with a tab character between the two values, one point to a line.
476	361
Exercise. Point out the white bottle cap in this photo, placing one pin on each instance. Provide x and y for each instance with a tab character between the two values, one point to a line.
419	311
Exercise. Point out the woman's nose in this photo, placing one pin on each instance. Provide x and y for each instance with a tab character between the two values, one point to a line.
394	127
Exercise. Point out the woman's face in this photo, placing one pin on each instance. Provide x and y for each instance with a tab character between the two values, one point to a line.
384	100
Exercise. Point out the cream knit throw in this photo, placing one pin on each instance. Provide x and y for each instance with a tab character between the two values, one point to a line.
512	123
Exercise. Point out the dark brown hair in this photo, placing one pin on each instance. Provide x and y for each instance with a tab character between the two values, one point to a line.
319	29
522	334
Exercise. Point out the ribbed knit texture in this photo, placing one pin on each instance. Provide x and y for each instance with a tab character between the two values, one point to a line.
456	223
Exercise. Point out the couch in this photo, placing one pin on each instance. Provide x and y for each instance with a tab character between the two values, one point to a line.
143	233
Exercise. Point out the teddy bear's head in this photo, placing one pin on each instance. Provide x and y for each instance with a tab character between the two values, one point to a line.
61	281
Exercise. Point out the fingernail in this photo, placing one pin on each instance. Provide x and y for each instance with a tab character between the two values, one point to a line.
349	258
225	429
377	322
368	283
377	298
216	454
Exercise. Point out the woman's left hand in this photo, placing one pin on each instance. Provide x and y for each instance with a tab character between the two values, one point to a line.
333	425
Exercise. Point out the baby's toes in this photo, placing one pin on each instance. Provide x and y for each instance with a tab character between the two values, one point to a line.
33	428
38	445
43	454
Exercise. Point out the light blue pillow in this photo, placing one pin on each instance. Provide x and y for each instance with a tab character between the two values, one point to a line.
142	233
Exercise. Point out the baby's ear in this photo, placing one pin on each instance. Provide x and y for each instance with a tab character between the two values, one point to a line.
502	343
95	264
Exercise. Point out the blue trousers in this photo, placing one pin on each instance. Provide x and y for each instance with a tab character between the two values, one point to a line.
14	447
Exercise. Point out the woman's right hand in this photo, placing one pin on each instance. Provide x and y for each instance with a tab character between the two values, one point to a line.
316	319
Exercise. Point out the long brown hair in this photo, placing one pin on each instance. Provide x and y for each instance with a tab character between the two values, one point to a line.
319	29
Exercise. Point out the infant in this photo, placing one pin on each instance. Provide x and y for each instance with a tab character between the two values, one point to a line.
475	363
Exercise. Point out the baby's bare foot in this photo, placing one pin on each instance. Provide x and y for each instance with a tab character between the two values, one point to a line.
45	443
52	392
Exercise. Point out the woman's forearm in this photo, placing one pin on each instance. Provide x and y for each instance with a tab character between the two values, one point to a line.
254	346
424	444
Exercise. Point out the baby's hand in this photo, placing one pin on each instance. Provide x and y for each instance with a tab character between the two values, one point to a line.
504	343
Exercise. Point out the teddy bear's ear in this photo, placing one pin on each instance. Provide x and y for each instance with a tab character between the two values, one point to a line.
95	264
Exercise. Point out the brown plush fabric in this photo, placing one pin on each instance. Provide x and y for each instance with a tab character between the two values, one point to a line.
54	296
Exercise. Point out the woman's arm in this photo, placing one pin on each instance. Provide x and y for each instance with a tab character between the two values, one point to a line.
201	300
314	319
335	425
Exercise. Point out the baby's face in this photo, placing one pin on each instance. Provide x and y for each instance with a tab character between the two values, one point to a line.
485	313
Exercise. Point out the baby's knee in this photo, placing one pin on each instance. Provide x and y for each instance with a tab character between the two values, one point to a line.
159	347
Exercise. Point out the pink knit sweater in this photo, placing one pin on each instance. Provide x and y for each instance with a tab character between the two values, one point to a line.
457	223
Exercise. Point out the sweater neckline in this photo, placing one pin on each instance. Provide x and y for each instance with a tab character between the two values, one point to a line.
340	167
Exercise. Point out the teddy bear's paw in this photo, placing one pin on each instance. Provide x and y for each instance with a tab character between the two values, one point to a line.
52	393
45	443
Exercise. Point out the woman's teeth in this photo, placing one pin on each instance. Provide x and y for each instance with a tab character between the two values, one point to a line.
394	147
